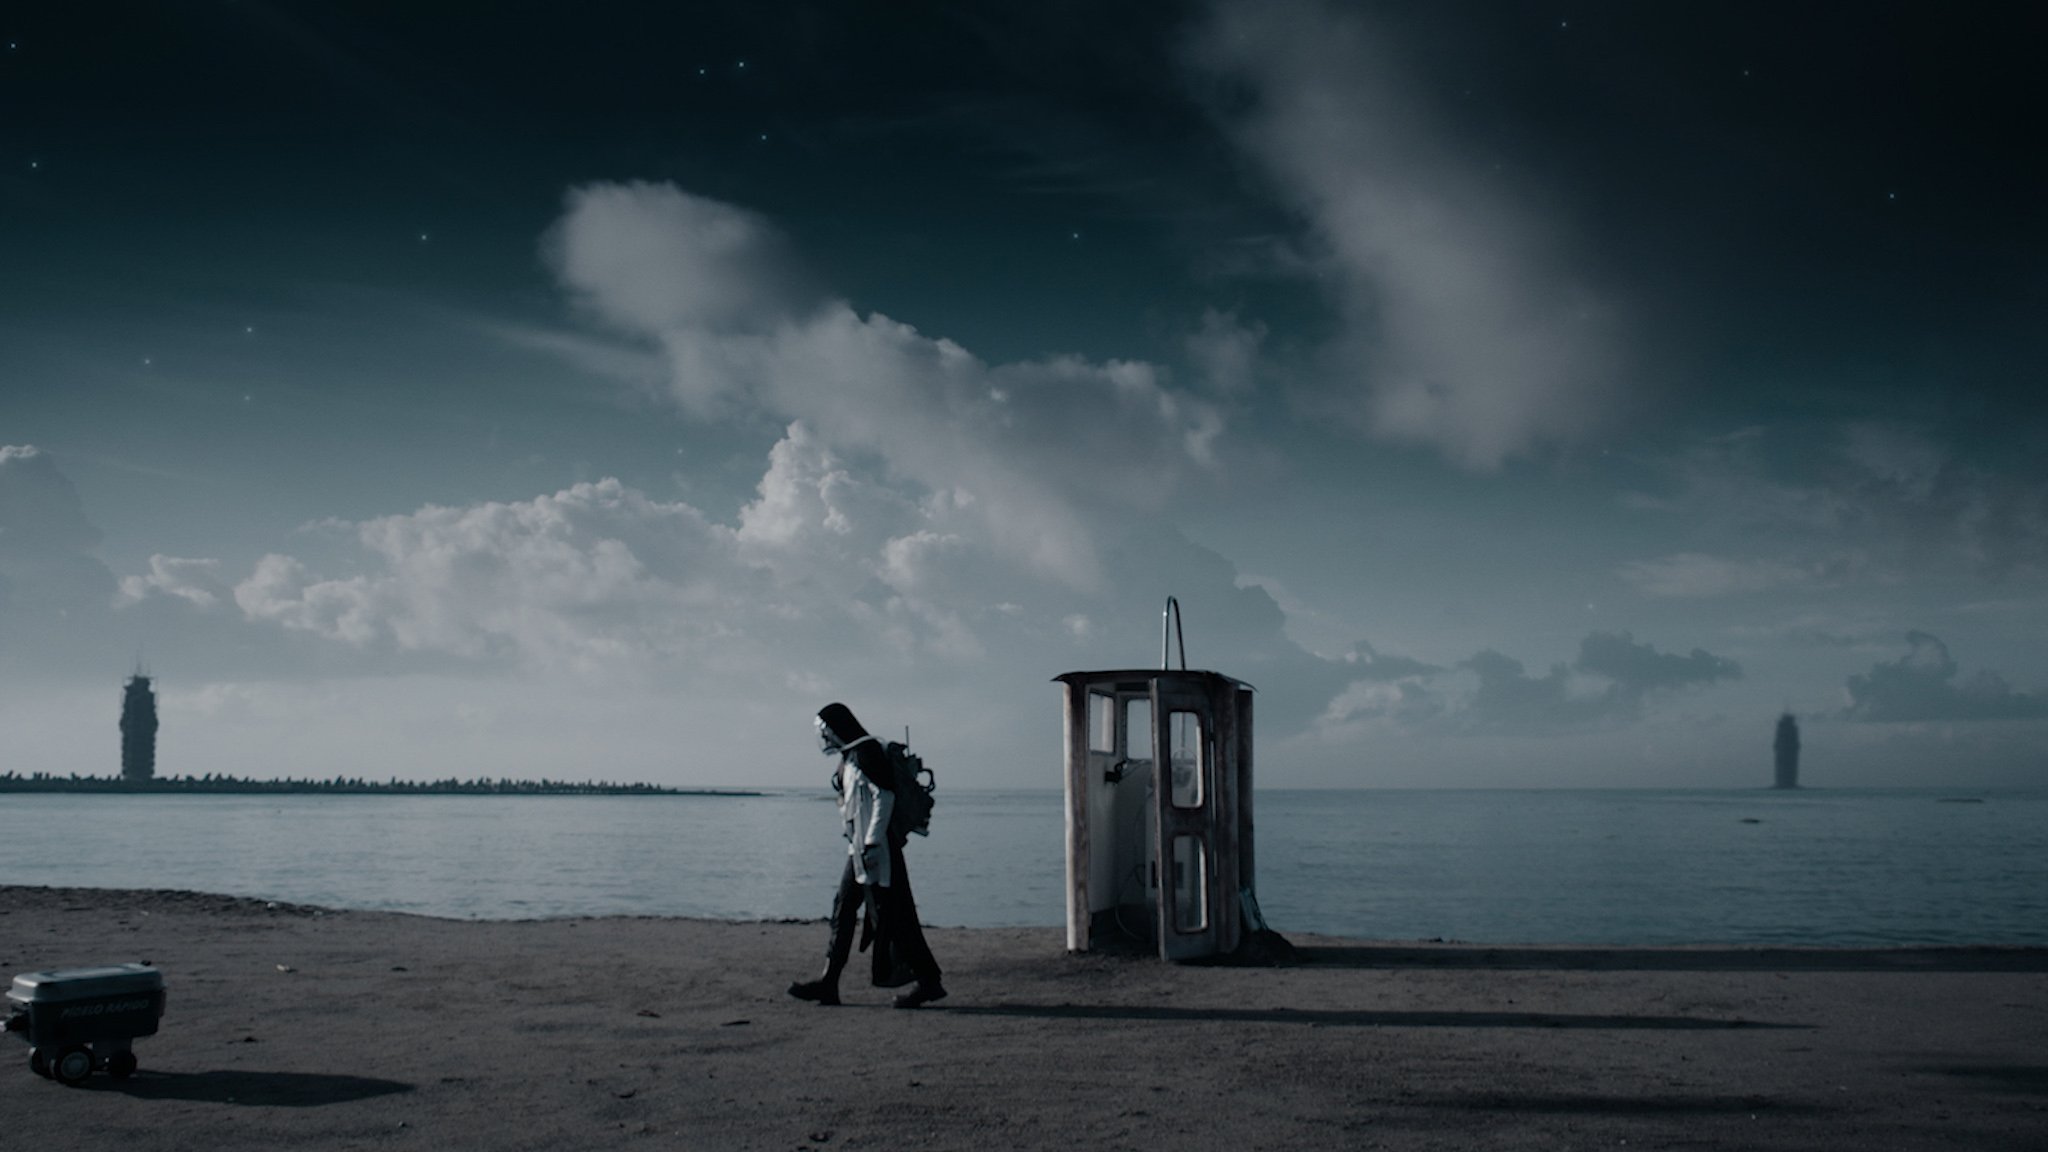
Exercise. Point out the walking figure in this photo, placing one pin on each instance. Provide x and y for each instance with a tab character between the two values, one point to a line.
875	878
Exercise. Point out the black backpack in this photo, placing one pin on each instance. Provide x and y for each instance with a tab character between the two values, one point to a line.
914	786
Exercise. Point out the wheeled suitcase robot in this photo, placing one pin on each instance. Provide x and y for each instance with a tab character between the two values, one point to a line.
83	1019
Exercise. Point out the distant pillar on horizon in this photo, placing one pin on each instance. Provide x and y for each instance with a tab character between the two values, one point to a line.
138	730
1787	748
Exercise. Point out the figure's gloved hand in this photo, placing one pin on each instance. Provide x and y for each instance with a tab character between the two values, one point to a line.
871	858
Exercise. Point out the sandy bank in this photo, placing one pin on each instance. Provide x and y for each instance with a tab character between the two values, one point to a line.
293	1027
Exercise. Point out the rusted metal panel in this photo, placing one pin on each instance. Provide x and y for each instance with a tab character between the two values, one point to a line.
1223	812
1248	872
1136	679
1077	814
1171	693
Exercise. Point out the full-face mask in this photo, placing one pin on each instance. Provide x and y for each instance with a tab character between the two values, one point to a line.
828	741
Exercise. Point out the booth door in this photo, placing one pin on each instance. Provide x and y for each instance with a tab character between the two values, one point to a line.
1184	852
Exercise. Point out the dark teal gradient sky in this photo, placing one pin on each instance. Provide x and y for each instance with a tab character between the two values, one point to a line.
275	271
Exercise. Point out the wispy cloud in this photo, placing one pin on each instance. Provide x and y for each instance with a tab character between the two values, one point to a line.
1837	505
1467	328
1698	576
47	565
197	582
40	513
1922	686
1608	682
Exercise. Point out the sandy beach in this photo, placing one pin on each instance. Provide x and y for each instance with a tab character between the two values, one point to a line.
318	1029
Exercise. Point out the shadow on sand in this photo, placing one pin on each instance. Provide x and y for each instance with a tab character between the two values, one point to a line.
2020	1079
1357	1019
1588	1103
256	1089
1673	959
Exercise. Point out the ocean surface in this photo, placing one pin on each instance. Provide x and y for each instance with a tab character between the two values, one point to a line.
1818	867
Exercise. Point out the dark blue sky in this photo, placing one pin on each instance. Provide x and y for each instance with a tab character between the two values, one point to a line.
401	362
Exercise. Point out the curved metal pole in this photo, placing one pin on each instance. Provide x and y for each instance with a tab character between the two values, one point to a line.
1172	613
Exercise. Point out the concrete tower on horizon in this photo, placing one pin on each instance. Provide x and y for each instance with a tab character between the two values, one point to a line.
1787	748
138	729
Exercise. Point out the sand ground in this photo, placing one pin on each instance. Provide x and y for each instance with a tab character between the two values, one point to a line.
291	1027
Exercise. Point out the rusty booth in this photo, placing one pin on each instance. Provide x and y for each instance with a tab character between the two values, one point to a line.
1159	811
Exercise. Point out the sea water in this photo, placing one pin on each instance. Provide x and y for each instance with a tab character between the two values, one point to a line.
1596	867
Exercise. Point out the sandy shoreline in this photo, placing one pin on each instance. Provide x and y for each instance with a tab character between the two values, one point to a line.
312	1029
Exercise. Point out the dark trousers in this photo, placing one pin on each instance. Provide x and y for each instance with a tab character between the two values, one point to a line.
899	938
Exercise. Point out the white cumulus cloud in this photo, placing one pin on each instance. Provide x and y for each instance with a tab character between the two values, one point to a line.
589	572
1030	448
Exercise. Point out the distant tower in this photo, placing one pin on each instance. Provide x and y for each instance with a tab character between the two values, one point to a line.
1787	748
138	729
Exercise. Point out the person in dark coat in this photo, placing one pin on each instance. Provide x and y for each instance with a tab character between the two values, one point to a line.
875	876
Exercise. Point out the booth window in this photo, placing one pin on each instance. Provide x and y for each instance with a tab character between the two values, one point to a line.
1138	728
1101	722
1190	885
1185	751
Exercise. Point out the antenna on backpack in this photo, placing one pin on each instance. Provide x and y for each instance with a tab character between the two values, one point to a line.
906	735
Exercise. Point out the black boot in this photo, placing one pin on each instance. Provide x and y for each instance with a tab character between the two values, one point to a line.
821	991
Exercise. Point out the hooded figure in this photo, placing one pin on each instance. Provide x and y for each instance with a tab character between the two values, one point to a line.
875	877
867	794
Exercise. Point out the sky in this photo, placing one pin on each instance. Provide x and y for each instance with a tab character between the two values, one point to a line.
1517	395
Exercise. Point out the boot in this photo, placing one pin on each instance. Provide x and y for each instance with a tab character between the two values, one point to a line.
821	991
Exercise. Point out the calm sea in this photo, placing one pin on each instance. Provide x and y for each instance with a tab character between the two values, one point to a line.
1614	867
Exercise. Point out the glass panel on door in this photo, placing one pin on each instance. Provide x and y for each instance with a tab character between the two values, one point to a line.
1101	722
1186	756
1138	728
1190	884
